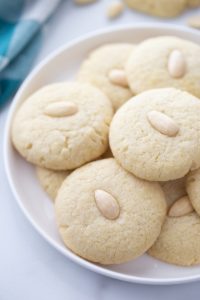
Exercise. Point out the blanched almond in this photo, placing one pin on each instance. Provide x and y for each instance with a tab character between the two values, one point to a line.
107	204
162	123
118	77
115	9
181	207
61	109
176	64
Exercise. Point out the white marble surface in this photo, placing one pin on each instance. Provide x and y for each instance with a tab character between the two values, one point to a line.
29	267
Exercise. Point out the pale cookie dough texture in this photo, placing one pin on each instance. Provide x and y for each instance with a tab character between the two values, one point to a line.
179	241
49	139
146	152
194	3
162	8
193	189
51	180
91	235
147	68
174	190
96	68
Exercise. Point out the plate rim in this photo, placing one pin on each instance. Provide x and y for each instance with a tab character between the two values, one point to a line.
6	144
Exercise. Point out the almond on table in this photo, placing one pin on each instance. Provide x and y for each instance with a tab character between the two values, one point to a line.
115	9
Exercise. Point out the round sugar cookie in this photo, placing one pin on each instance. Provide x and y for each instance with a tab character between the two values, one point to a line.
194	3
96	69
193	189
165	62
51	180
62	126
156	135
160	8
108	216
179	241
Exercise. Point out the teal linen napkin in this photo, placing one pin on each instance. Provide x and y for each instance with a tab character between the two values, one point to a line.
21	23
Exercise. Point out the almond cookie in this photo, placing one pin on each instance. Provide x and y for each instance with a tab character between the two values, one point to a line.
51	180
179	241
193	189
193	3
161	8
104	68
108	216
156	135
165	62
63	125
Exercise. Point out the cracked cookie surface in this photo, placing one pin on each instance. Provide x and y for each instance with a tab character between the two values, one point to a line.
148	66
95	70
179	241
48	138
93	236
148	153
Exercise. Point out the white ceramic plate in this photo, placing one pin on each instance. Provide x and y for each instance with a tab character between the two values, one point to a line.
61	65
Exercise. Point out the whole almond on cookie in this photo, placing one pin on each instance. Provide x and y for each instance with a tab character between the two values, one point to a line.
118	77
61	109
107	204
163	123
176	64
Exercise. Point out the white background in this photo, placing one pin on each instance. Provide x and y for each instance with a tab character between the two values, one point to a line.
29	267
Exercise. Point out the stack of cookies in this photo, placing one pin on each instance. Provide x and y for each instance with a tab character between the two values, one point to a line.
118	151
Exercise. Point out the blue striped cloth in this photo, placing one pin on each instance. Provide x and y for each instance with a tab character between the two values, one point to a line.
21	22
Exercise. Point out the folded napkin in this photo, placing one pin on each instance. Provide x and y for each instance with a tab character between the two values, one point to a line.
21	23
